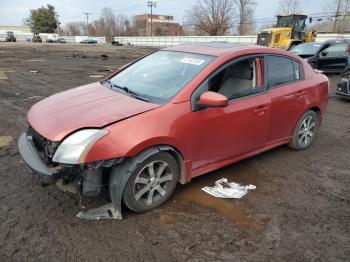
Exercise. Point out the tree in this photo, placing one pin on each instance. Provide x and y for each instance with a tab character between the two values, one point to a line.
212	17
246	23
43	20
288	6
74	28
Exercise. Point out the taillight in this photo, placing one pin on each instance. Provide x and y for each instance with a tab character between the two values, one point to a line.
348	49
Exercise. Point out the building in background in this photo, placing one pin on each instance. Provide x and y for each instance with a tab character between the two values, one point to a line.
162	25
17	30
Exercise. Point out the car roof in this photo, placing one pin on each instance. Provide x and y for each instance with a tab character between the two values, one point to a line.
338	40
211	48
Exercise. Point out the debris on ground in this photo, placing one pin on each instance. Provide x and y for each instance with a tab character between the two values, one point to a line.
104	57
3	71
5	140
34	71
106	211
79	55
97	76
224	189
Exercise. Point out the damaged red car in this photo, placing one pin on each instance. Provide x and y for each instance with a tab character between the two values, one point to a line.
171	116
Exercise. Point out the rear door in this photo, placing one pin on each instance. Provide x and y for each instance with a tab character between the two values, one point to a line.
288	96
334	58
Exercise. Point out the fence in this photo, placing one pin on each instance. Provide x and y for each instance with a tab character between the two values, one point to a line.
164	41
44	37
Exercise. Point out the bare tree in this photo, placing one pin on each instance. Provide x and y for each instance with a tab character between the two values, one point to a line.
288	7
246	23
212	17
74	28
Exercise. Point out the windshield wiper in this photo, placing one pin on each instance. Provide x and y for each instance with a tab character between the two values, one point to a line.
127	90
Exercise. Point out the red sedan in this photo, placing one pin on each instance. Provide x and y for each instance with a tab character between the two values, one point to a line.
171	116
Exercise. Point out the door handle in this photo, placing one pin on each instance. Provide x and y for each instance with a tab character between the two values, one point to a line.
261	109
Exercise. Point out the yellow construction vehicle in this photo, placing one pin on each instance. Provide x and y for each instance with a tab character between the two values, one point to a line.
289	32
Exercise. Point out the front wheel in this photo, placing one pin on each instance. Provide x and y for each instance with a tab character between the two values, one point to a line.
305	131
151	183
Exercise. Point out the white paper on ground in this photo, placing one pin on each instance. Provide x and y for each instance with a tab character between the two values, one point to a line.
224	189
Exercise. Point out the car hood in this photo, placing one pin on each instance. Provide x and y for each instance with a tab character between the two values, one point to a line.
91	105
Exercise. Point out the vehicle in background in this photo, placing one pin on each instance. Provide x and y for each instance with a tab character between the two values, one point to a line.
343	88
136	133
289	32
89	41
37	39
10	37
61	40
116	43
2	39
331	56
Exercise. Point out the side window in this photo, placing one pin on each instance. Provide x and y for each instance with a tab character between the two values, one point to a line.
281	70
237	80
334	50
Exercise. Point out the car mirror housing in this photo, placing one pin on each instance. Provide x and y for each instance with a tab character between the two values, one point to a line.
211	100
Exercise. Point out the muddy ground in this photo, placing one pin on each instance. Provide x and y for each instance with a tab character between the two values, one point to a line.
300	210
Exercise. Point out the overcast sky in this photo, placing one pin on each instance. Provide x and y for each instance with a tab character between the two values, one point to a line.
12	12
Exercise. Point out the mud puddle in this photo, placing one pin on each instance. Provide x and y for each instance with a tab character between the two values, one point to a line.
235	210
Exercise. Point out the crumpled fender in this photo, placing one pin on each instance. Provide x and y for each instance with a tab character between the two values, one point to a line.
121	174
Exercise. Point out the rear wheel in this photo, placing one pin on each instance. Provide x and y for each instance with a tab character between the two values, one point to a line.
151	183
305	131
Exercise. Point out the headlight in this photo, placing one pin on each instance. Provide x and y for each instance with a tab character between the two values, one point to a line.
75	147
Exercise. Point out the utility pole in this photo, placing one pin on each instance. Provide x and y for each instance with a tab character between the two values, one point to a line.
151	4
336	17
87	18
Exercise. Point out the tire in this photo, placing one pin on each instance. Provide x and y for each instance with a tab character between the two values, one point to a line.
305	131
147	189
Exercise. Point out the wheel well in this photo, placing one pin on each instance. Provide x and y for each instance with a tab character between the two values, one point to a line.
174	152
316	110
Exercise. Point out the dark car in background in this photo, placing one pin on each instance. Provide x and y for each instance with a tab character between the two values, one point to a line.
89	41
61	40
331	56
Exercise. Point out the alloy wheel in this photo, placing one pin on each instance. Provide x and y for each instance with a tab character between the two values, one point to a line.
306	131
152	182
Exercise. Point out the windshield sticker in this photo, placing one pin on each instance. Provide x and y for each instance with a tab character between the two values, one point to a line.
192	61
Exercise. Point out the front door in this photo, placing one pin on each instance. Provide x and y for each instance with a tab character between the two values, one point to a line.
237	129
333	58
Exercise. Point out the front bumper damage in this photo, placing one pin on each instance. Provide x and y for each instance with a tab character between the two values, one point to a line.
87	178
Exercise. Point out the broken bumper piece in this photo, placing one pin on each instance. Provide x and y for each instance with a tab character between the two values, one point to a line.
107	211
31	157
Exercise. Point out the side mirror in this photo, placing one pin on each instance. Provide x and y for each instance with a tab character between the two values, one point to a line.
324	53
211	100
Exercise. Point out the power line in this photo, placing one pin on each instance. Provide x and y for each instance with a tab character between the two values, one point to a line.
151	4
87	17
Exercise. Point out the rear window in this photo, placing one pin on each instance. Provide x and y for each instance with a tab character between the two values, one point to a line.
281	70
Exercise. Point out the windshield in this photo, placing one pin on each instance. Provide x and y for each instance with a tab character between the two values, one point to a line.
308	49
285	21
160	76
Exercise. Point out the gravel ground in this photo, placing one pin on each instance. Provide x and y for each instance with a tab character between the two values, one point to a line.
300	210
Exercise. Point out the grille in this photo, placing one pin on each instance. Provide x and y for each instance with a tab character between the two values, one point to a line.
46	148
264	39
